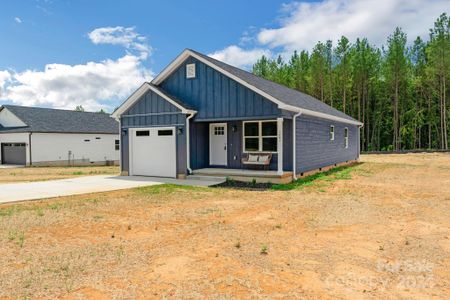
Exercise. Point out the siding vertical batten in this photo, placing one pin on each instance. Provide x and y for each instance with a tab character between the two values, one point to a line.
294	145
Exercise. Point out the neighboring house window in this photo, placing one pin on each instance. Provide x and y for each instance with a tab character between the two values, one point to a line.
346	137
117	145
190	71
331	133
260	136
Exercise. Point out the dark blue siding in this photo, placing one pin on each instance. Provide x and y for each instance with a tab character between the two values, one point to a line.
200	146
146	112
314	148
217	97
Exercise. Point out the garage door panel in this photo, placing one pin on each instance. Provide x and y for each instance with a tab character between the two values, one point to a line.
13	153
153	152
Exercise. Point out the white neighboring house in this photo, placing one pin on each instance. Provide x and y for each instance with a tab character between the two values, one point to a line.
54	137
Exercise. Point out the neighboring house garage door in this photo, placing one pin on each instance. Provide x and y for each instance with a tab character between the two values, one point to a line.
13	153
153	152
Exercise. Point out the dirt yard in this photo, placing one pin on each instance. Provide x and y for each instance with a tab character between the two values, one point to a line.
10	175
380	229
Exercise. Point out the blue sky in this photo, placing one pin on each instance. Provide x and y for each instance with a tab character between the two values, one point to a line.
60	53
56	31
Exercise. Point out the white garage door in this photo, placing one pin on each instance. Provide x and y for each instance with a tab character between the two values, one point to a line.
153	152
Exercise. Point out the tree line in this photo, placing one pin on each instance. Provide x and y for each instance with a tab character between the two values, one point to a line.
399	91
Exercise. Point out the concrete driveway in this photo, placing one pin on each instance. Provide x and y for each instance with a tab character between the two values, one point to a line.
13	192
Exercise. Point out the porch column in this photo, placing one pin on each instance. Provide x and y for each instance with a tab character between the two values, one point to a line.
280	145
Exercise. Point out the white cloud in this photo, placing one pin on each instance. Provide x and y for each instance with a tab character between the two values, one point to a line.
93	85
306	23
18	20
123	36
239	57
5	76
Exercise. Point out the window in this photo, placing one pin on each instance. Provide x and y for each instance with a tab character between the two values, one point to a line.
87	140
346	137
260	136
165	132
219	130
98	138
117	145
190	71
143	133
331	133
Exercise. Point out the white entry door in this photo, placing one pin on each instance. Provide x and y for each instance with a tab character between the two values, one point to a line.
153	152
218	144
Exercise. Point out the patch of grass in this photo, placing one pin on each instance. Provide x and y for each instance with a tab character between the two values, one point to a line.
77	173
264	249
237	245
21	239
40	212
278	226
169	189
338	173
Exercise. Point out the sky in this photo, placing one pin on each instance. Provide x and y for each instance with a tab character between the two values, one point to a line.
64	53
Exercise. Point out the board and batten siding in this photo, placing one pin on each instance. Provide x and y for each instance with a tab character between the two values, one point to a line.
200	146
217	97
315	149
151	110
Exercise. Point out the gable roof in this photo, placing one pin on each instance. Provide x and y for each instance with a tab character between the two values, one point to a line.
286	98
144	88
60	121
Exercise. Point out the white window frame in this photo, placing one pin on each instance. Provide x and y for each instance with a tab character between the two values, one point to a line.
346	137
259	136
331	132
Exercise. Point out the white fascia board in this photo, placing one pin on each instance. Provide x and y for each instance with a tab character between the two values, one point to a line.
144	88
328	117
281	105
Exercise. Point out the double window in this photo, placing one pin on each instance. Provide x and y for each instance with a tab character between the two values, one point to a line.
260	136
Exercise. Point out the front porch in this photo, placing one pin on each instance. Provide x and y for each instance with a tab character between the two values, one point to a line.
220	149
245	175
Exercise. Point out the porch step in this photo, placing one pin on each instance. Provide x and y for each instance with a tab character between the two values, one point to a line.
206	177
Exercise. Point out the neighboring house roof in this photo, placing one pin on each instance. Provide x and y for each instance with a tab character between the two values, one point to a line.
286	98
60	121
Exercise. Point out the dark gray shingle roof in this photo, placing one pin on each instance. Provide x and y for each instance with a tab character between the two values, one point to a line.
278	91
60	121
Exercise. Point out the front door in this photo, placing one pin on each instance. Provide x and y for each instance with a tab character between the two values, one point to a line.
218	144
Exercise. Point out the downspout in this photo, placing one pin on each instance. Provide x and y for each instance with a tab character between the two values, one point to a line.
188	147
294	145
29	148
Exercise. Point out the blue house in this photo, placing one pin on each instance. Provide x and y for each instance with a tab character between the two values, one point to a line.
202	116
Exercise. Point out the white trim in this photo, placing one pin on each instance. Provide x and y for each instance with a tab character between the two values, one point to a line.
226	138
188	147
281	105
331	133
120	145
259	137
294	145
144	88
280	145
346	137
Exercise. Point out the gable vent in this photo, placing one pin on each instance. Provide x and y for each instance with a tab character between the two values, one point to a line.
190	71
